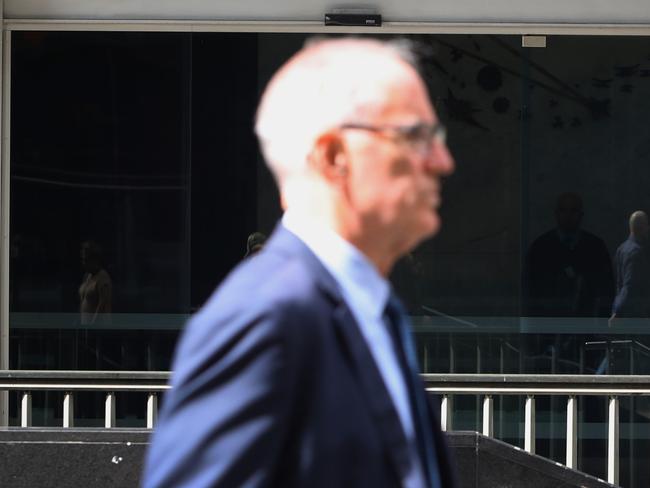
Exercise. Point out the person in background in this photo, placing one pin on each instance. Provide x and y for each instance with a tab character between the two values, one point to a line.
95	301
633	272
254	243
568	270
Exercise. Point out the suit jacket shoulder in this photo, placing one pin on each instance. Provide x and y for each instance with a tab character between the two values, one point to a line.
273	385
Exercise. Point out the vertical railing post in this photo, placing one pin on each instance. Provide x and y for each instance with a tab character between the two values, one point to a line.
501	370
446	409
152	410
109	410
488	416
529	425
26	410
572	432
5	176
612	441
68	410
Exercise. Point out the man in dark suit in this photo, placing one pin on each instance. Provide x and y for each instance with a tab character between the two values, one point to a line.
300	370
568	270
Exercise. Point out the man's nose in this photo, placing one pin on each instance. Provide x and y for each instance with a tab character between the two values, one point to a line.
440	161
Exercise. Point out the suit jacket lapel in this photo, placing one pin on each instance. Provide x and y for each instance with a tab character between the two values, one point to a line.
355	349
367	375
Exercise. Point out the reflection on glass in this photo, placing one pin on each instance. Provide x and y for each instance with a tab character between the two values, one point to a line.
633	272
143	142
254	243
569	272
95	292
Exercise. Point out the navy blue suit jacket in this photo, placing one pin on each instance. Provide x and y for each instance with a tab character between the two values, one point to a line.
273	385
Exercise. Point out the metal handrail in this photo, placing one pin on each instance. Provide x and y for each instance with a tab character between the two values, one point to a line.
571	386
447	385
530	384
154	381
151	382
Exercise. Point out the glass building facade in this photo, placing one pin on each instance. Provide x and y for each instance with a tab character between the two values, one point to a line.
135	180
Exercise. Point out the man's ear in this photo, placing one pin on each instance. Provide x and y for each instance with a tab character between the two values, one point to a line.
329	157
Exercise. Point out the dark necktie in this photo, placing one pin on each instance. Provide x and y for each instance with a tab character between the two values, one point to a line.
397	321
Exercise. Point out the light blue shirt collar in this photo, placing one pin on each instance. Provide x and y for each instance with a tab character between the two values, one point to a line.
366	293
355	274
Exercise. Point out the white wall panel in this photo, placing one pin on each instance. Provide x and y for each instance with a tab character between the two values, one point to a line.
534	11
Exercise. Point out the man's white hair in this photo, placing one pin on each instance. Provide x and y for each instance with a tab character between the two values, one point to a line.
328	83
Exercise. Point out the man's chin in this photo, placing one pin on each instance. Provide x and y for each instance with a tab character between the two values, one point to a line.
425	230
432	225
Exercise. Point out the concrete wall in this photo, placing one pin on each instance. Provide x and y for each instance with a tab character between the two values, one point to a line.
78	458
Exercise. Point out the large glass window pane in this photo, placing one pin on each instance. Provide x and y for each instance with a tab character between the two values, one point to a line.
134	186
136	181
585	158
99	274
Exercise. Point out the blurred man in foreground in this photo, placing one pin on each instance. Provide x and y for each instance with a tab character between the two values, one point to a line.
300	370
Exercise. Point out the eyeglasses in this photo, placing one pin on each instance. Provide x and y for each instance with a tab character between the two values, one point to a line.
420	137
